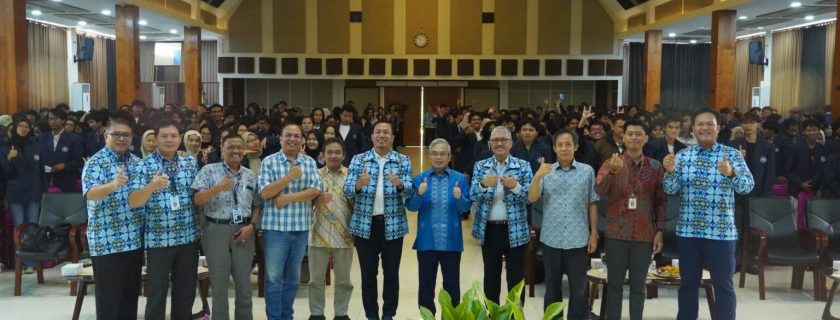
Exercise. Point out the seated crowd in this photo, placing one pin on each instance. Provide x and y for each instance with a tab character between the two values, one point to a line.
165	184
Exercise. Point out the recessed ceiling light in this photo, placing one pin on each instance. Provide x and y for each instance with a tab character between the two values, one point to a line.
142	37
82	23
743	17
143	22
672	34
760	28
809	18
36	12
106	12
173	31
795	4
693	41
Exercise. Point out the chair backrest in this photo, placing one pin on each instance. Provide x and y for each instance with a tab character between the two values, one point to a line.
66	207
776	217
824	214
672	218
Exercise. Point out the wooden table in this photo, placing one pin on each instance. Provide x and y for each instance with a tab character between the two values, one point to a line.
598	277
86	278
830	273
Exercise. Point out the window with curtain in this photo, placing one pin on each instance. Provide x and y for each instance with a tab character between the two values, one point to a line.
786	67
685	75
747	75
48	83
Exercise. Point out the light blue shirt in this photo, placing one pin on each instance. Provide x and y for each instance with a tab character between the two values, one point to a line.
498	212
566	195
221	206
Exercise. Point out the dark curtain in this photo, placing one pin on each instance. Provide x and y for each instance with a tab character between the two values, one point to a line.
685	76
812	85
635	60
110	47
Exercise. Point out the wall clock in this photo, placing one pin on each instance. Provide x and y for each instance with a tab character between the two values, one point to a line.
421	40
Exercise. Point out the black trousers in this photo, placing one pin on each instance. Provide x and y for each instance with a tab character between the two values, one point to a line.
496	247
450	267
117	284
178	264
369	252
574	263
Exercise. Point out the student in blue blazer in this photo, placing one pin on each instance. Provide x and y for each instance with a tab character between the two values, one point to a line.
61	153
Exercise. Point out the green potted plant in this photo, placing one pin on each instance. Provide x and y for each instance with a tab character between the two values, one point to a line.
475	306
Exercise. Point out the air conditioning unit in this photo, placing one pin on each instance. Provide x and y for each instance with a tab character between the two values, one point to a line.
760	96
158	95
80	96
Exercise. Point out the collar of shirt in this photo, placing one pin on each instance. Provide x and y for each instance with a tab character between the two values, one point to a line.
281	157
342	171
381	158
558	167
434	172
55	135
116	156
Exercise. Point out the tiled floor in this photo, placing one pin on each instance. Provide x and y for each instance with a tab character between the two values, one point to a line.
51	300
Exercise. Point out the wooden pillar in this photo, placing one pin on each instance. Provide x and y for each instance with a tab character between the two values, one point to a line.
653	68
722	84
191	62
835	74
128	53
14	69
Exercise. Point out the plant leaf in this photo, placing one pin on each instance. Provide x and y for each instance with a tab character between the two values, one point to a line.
553	311
515	294
426	314
492	308
447	311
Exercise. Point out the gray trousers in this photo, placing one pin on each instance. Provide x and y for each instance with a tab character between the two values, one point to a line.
225	258
622	255
318	260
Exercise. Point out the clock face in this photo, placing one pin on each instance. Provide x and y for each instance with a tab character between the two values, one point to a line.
421	40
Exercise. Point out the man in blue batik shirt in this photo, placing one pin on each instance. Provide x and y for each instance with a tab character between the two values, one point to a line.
162	185
707	176
115	230
442	194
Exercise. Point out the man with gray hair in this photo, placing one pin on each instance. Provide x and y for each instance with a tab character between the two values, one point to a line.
499	187
439	200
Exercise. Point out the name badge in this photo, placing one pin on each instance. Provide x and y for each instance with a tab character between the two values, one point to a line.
631	203
174	203
64	149
236	215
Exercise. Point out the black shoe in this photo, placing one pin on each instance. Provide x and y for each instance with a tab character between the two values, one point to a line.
317	318
752	269
341	318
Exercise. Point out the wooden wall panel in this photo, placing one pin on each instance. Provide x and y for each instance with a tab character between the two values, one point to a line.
378	26
128	49
409	97
637	21
421	17
723	59
668	9
689	5
465	26
14	71
245	28
554	27
333	26
511	20
289	30
208	17
653	68
191	63
598	30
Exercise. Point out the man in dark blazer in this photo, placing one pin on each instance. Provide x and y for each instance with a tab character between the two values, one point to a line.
61	153
659	148
465	144
355	142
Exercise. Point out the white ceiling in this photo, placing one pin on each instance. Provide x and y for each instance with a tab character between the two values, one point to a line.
70	12
762	16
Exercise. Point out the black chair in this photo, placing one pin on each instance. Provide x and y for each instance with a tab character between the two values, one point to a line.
56	208
773	239
824	220
669	235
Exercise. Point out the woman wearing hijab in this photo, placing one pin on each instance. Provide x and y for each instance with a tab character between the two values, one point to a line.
148	143
253	151
314	146
22	171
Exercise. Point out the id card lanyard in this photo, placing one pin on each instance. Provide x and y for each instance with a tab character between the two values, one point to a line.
236	214
170	169
632	201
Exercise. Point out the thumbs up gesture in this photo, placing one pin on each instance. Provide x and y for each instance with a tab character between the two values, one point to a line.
395	179
723	166
364	179
456	192
12	154
669	162
509	181
421	190
295	172
616	163
489	180
119	179
545	168
226	184
159	181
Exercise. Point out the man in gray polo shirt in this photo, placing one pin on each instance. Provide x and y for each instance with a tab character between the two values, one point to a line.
227	195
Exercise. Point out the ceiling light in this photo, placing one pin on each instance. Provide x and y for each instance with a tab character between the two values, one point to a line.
173	31
106	12
142	37
795	4
760	28
743	17
672	34
693	41
809	18
82	23
36	12
143	22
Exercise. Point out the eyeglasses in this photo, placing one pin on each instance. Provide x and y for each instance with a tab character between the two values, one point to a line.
499	140
439	154
120	135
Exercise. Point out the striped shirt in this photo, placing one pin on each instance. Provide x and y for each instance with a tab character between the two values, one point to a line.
296	216
330	221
